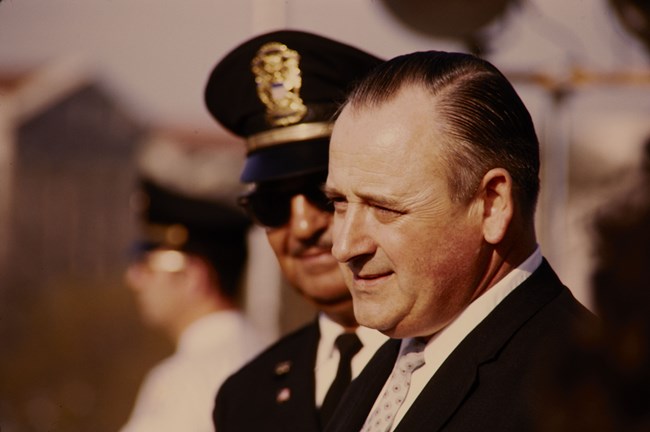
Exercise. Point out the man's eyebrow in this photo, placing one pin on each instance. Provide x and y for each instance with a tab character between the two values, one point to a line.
370	198
330	190
381	200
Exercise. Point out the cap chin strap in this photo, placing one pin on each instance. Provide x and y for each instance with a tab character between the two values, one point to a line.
298	132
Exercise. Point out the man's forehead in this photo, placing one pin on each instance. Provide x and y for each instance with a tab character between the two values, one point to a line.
385	152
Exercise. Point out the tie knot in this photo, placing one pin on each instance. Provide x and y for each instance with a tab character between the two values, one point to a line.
348	344
412	357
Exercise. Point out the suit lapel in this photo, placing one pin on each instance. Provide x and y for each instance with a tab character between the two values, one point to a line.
295	387
452	383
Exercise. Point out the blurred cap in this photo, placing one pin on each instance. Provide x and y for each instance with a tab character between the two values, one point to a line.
280	91
186	196
175	221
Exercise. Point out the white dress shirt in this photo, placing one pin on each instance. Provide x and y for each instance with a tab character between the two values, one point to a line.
327	357
179	393
443	343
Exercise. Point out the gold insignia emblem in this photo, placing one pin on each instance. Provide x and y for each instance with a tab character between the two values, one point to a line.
175	235
278	78
283	368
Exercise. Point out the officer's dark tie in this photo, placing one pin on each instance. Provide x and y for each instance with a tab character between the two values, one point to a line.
348	345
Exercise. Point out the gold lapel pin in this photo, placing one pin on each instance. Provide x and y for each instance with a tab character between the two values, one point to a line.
283	368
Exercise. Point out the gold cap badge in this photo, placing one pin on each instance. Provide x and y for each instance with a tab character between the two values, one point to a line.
278	79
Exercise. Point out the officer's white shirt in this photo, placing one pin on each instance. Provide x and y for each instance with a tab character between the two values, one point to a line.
179	393
327	358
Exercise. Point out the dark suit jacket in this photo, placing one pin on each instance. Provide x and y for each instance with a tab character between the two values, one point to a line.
275	391
489	380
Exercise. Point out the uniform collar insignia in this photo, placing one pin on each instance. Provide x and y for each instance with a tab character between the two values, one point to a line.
283	368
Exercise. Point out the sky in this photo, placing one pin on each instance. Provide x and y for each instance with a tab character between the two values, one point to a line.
156	54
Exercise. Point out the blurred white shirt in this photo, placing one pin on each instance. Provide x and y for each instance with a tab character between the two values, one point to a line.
178	394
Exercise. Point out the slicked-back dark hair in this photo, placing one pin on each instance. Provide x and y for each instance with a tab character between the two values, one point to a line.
485	123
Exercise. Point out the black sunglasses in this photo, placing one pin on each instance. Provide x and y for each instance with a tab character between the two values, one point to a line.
270	203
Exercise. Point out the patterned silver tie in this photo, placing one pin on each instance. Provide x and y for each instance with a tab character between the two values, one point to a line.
382	417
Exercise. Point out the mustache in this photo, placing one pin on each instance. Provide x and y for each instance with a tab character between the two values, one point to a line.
309	247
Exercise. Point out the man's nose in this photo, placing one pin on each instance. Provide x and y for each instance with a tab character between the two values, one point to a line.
350	235
307	220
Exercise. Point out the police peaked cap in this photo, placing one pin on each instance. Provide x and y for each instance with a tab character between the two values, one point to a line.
174	220
280	91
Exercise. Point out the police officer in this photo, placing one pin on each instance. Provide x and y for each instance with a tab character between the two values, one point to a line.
185	278
280	91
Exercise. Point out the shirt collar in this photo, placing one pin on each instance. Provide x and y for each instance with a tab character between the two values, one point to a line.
330	330
471	316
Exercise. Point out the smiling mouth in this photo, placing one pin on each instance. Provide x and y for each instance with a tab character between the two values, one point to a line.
313	253
371	278
316	261
310	251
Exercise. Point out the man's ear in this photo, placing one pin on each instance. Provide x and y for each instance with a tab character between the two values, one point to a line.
496	191
202	277
194	275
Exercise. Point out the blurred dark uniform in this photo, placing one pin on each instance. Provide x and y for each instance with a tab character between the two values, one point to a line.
287	136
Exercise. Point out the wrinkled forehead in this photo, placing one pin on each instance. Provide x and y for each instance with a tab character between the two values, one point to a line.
400	137
409	117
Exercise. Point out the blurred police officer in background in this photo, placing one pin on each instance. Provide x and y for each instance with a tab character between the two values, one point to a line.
280	91
186	279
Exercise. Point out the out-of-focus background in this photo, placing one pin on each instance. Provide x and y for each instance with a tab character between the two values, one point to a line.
85	84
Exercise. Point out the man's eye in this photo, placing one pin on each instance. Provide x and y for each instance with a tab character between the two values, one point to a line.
335	198
339	203
386	214
385	210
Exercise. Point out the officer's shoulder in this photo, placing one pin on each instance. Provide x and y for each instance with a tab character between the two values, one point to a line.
280	351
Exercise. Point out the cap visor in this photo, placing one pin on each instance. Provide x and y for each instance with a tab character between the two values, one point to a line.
286	160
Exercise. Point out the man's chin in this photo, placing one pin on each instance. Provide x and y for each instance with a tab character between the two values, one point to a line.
342	300
338	309
372	318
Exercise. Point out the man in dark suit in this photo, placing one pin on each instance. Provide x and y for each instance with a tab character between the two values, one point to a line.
280	91
434	176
